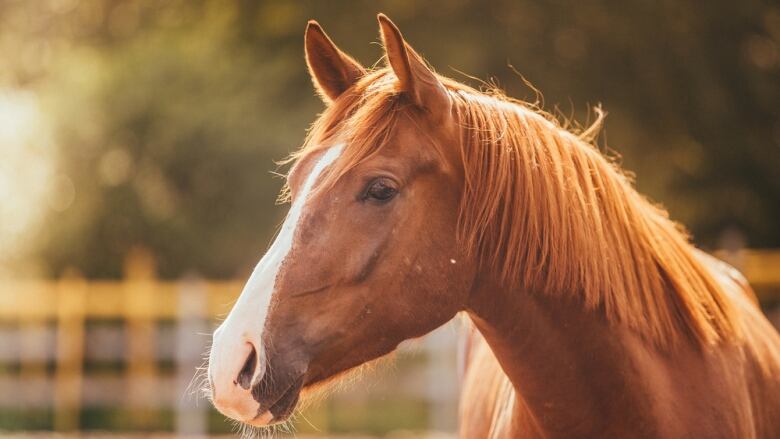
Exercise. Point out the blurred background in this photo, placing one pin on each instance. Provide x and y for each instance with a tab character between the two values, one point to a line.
138	182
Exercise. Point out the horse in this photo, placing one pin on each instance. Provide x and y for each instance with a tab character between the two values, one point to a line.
416	198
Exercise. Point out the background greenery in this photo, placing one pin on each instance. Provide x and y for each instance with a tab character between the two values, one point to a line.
164	118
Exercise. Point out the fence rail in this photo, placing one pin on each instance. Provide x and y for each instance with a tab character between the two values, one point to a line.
52	318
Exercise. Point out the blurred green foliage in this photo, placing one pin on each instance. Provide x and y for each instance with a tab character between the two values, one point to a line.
168	115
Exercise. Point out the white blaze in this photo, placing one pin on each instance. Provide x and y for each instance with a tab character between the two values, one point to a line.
247	318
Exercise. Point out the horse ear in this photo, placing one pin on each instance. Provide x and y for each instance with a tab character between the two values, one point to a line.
331	70
415	78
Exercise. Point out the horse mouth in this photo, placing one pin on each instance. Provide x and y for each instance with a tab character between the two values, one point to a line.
282	408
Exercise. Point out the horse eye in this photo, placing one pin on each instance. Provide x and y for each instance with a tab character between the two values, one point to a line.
381	189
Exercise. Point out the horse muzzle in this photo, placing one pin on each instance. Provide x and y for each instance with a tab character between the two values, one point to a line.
247	387
235	363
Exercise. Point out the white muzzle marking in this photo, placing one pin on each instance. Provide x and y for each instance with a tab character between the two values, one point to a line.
243	327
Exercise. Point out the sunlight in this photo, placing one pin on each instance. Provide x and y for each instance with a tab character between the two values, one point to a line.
26	169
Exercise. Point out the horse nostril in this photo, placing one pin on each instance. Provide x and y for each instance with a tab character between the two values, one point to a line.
244	378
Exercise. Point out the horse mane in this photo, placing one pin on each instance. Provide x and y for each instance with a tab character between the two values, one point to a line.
547	212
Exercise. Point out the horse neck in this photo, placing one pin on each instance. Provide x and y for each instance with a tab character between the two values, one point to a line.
567	364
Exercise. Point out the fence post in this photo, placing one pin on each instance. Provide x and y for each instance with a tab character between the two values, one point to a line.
71	301
442	382
191	342
33	311
139	289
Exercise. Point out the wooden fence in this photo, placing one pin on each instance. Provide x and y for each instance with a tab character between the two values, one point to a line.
140	301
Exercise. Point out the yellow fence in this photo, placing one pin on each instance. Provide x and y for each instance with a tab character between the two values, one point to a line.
760	267
140	301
